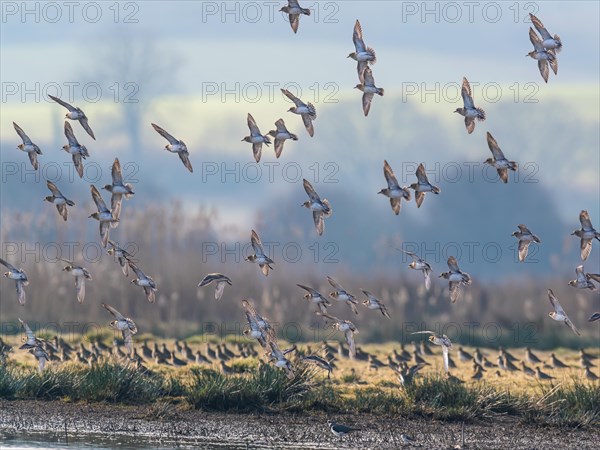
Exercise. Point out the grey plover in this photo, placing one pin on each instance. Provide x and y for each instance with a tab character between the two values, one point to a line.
58	199
75	113
20	278
422	186
81	274
419	264
584	280
118	189
220	282
548	41
341	295
306	110
456	278
559	313
314	296
362	54
77	151
499	161
175	146
346	327
28	146
281	134
294	11
144	281
320	208
394	192
256	138
123	324
104	216
586	233
373	302
469	111
122	256
525	238
368	88
259	257
542	56
439	339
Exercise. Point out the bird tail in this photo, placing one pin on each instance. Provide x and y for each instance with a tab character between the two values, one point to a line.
371	51
380	91
513	165
305	11
312	111
69	202
481	115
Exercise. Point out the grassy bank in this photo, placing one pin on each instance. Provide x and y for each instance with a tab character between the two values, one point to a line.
265	388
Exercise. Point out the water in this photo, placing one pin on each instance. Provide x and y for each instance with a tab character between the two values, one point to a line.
9	440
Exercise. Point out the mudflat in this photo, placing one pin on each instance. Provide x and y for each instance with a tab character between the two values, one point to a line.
167	425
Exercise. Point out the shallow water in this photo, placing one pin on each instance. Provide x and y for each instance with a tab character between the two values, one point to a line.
99	442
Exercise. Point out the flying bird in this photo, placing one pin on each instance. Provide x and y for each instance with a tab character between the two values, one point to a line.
584	280
559	313
587	234
259	327
81	274
256	138
20	278
118	189
498	160
277	357
422	186
525	238
368	88
123	324
220	282
78	152
346	327
455	278
549	42
542	56
306	110
314	296
35	346
594	317
123	257
144	281
58	199
175	146
419	264
469	111
320	208
362	54
439	339
28	147
104	216
259	257
373	302
280	135
293	10
341	295
75	113
394	192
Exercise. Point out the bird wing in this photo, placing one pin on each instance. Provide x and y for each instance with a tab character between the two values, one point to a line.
584	218
555	303
137	270
28	332
256	244
494	148
586	248
427	276
280	125
536	41
116	173
70	135
312	194
454	287
185	159
98	200
539	26
164	134
571	326
319	222
421	175
117	315
523	249
293	98
62	102
337	286
55	191
388	173
254	131
357	38
523	228
543	67
367	99
22	134
349	335
308	289
453	264
424	332
307	120
9	266
466	94
219	289
86	126
445	353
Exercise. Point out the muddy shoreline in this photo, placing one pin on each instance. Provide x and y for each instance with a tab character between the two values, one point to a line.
166	425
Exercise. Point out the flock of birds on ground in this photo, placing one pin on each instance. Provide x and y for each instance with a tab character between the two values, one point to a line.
545	50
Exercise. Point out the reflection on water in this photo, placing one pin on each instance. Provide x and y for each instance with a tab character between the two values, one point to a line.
102	442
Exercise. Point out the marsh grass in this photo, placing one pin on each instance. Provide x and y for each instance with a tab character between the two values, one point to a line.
569	402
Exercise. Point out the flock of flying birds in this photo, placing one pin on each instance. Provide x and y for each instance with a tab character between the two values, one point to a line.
259	328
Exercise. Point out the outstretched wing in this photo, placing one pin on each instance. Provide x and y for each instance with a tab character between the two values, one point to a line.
164	134
337	286
312	194
22	134
555	303
453	264
536	41
55	191
254	131
445	353
388	173
62	102
357	38
494	148
293	98
539	26
466	94
117	176
421	175
584	218
98	199
8	266
86	126
28	332
70	135
117	315
571	326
